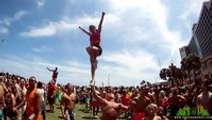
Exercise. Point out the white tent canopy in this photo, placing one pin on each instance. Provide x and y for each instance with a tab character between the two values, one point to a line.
161	81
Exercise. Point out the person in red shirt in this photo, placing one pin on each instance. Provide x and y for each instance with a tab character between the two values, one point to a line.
51	95
33	101
125	101
94	50
163	100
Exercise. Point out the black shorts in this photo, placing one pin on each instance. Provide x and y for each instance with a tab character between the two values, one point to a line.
100	50
11	114
51	99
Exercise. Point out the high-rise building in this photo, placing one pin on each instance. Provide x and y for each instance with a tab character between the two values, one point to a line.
203	31
193	47
184	52
201	40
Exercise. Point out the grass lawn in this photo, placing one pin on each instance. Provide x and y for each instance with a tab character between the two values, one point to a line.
80	114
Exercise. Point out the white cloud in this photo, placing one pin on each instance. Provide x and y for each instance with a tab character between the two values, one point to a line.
128	66
49	29
42	49
7	21
194	7
66	24
193	10
46	31
143	20
131	60
3	30
40	3
75	72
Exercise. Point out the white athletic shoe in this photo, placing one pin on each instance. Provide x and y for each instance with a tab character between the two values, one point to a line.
91	82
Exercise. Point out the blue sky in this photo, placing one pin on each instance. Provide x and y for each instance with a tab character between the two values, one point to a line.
138	38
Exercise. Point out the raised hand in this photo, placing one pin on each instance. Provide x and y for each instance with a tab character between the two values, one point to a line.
92	83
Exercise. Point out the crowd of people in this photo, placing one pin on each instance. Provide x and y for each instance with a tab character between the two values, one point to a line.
153	101
26	99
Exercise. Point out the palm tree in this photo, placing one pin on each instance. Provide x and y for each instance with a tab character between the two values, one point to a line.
170	73
181	75
191	63
163	74
173	73
196	64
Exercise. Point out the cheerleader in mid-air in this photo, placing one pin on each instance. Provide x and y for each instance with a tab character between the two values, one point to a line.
94	50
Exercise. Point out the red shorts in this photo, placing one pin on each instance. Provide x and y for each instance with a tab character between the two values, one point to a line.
138	116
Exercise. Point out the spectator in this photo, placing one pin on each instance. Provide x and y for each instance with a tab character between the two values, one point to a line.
204	99
152	112
68	103
34	101
42	93
110	109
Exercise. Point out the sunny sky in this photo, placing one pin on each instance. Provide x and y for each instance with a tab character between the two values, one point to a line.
138	38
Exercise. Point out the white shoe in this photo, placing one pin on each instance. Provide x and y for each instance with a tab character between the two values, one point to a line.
91	82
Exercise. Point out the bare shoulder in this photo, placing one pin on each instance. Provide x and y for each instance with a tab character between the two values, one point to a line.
135	99
1	88
164	118
157	118
37	93
210	94
64	95
73	96
199	96
12	96
148	99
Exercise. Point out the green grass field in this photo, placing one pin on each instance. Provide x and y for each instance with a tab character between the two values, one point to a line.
80	114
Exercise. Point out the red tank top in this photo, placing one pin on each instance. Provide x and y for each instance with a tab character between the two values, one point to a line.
125	100
164	103
51	89
95	39
31	104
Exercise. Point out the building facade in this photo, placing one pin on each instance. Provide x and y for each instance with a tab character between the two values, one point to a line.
201	40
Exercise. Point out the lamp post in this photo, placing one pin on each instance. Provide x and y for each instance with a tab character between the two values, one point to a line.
108	79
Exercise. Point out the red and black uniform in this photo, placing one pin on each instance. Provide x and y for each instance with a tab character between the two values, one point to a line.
95	39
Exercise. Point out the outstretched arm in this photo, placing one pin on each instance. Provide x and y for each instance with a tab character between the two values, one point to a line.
123	107
49	69
84	31
96	96
101	21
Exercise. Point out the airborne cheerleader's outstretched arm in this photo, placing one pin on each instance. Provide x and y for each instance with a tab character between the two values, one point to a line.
88	33
101	21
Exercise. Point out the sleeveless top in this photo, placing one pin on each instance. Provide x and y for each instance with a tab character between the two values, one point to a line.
95	39
31	104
